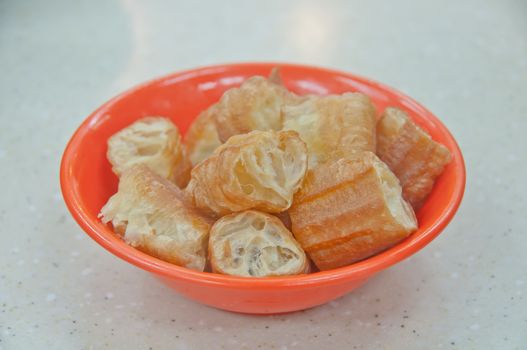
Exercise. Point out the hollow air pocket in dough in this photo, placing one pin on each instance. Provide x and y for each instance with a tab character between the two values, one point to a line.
259	170
348	210
254	244
154	142
332	126
411	154
152	215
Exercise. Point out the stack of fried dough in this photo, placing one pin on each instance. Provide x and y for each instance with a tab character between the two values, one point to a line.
270	183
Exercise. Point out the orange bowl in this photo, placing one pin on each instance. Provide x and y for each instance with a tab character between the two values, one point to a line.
87	182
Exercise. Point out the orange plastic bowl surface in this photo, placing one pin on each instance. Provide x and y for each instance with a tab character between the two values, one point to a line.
87	182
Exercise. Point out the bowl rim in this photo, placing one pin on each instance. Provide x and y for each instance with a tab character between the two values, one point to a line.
360	270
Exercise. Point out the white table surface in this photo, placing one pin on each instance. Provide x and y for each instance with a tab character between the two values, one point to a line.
465	60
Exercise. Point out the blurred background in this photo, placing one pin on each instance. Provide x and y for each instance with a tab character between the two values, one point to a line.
464	60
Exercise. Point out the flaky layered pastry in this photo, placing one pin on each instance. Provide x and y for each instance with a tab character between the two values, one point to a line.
259	170
411	154
152	215
333	126
253	243
154	142
255	105
348	210
202	138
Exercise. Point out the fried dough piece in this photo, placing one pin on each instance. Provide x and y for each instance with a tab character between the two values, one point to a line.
155	142
152	215
255	105
350	209
411	154
253	243
202	138
275	76
333	126
259	170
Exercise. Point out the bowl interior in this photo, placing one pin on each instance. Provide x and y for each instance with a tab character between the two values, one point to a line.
88	182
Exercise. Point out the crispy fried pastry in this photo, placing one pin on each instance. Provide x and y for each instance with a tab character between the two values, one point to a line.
259	170
155	142
152	215
255	105
350	209
275	76
253	243
333	126
411	154
202	138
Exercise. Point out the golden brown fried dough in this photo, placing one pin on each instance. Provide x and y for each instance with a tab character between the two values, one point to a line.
259	170
253	243
202	138
411	154
275	76
255	105
154	142
333	126
350	209
153	216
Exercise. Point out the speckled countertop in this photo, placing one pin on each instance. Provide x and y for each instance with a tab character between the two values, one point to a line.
465	60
